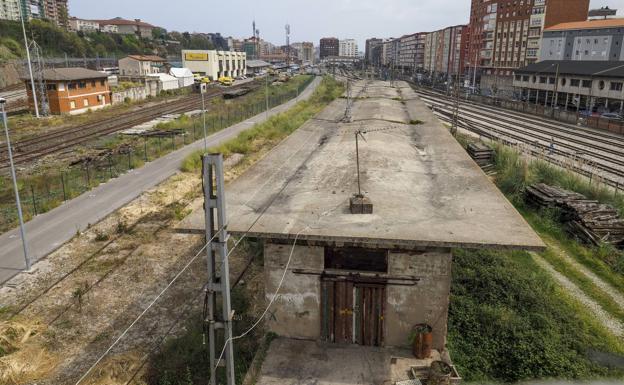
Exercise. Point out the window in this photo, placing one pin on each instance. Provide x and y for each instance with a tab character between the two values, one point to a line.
71	86
575	82
601	84
85	102
82	85
525	78
93	83
51	87
564	81
102	83
616	86
551	80
347	258
72	104
542	79
587	83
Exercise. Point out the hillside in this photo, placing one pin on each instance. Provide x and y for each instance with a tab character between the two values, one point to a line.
56	42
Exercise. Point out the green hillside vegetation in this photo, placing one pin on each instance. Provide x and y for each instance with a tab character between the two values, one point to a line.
56	42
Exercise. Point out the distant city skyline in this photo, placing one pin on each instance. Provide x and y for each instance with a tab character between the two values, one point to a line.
356	19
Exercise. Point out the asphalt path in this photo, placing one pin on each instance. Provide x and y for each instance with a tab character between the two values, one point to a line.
47	232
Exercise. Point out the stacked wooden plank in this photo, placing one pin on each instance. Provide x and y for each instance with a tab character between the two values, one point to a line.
482	154
590	221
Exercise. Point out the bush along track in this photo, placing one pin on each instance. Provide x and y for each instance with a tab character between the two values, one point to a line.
515	316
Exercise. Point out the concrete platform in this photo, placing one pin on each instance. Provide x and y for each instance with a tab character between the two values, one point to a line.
296	362
425	189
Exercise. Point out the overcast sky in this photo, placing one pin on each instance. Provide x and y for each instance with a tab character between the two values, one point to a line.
309	20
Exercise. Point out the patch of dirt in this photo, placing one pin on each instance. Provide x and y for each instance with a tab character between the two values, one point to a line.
609	322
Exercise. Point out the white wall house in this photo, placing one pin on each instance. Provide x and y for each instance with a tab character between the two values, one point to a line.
140	65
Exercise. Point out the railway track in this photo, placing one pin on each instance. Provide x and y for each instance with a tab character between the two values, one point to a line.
56	141
588	150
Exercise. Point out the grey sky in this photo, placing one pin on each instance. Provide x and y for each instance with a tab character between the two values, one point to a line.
309	20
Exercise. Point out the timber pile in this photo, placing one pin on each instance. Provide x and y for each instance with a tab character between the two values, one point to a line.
482	154
592	222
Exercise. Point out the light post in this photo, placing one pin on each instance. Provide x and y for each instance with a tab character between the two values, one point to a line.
17	198
266	94
201	91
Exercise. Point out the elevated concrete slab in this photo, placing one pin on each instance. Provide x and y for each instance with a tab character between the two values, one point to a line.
426	190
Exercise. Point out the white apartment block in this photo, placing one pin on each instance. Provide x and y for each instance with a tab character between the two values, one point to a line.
348	48
9	10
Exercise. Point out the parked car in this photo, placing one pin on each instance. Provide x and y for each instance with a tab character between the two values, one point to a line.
612	116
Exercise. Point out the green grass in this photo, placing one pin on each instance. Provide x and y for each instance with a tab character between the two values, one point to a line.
274	129
509	321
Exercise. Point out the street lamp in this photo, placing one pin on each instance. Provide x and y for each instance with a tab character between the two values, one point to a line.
17	198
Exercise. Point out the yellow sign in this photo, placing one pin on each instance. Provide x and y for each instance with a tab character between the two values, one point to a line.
196	56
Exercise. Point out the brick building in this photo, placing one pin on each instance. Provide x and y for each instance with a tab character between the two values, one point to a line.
412	51
445	51
506	35
330	46
74	90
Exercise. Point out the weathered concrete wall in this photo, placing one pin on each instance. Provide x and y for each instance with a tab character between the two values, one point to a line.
135	93
426	302
296	312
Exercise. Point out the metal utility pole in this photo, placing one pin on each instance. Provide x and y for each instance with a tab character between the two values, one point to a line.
357	160
288	45
455	122
203	98
266	94
348	118
216	232
30	71
17	197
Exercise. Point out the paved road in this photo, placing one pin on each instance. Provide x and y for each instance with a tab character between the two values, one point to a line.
49	231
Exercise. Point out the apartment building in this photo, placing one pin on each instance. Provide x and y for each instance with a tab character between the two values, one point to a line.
592	40
53	10
348	48
76	24
412	51
445	51
372	53
141	65
506	34
305	52
330	46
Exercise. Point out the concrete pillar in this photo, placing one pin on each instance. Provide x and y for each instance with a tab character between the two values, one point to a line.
546	99
536	97
567	100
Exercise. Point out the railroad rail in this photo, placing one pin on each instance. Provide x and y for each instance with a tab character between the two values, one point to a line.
52	142
587	151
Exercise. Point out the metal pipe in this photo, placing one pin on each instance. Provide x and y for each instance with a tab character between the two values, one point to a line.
204	117
17	197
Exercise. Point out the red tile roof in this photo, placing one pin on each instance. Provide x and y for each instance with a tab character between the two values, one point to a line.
589	24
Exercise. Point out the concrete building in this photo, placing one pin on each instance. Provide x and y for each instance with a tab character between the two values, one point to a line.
596	86
9	10
305	52
348	48
215	64
412	52
506	35
257	67
74	90
141	65
367	279
330	46
76	24
127	27
445	51
56	11
371	54
593	40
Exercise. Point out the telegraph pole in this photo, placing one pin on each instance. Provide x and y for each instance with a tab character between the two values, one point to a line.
14	177
30	71
216	234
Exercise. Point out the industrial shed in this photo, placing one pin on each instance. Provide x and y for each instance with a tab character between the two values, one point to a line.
367	279
166	82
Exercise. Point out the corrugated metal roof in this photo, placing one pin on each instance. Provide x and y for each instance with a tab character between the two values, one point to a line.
611	69
589	24
147	58
257	63
58	74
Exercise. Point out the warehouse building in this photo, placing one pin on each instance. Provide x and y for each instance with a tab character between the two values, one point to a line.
73	90
215	64
365	269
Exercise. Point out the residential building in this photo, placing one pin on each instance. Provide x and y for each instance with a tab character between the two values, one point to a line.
56	11
10	10
389	52
76	24
590	85
235	45
330	46
215	64
347	48
371	53
593	40
506	35
74	90
127	27
445	51
141	65
305	52
412	51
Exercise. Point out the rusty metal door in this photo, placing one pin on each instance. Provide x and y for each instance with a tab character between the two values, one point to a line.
369	314
352	312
